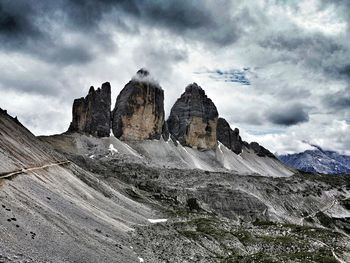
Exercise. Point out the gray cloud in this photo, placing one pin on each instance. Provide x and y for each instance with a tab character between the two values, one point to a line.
24	21
159	57
294	92
37	28
345	70
338	101
315	50
342	7
13	21
288	115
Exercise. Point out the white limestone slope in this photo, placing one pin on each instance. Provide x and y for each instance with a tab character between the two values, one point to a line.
170	154
174	155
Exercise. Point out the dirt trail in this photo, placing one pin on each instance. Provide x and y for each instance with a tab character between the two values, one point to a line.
25	170
324	209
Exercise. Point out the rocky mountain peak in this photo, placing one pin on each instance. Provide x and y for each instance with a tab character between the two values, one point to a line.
193	119
142	73
260	150
139	115
318	161
194	88
228	137
233	141
91	90
92	114
139	110
144	76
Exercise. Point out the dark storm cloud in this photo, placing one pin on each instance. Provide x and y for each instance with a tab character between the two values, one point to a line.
16	23
26	26
24	22
338	101
11	20
314	49
194	19
300	41
289	115
345	70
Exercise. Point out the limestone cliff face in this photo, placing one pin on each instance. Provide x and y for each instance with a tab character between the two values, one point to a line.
92	114
193	119
228	137
139	110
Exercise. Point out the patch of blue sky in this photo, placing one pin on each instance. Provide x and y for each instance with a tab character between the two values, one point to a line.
233	75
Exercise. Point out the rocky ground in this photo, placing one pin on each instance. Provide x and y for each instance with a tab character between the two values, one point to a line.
197	216
223	217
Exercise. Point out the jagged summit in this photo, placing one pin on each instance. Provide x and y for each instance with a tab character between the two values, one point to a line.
233	141
228	137
193	119
92	114
144	76
259	150
142	72
318	161
194	87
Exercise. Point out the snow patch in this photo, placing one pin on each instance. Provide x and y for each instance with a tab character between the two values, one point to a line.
154	221
141	260
112	149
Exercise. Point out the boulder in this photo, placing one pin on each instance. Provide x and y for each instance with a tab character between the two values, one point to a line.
92	114
193	119
139	110
228	137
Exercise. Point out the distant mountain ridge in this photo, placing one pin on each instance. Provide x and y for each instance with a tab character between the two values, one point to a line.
318	161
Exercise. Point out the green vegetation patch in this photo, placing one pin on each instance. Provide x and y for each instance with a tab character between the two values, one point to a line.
324	256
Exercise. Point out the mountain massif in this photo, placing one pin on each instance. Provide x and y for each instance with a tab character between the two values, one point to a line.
194	136
127	185
318	161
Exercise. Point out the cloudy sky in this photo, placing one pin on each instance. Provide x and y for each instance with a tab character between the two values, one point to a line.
279	70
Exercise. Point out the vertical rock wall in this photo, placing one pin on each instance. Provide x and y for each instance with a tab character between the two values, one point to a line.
92	114
139	109
193	119
228	137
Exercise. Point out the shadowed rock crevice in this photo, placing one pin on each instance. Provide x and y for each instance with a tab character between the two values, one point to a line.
92	114
193	119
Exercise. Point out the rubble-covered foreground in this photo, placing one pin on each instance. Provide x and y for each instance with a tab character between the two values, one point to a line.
221	217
